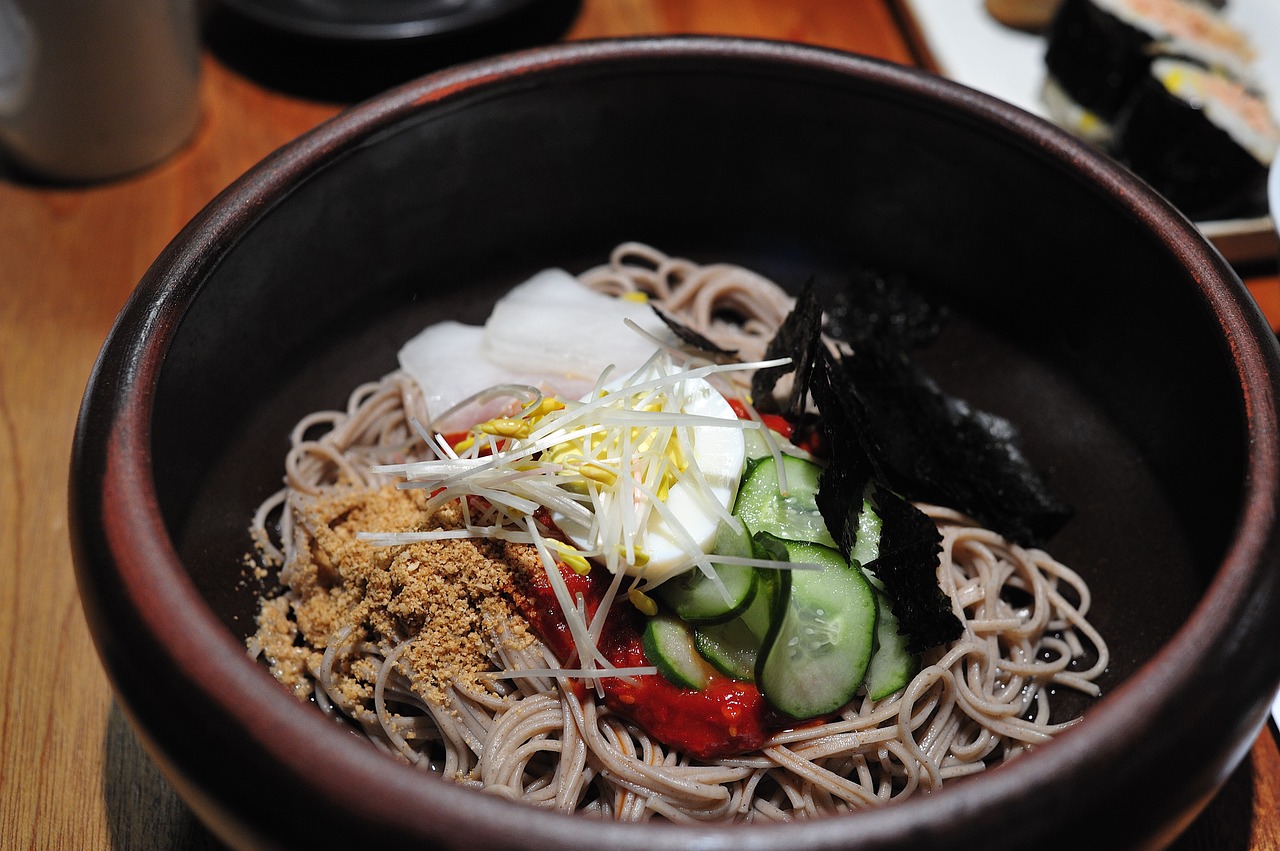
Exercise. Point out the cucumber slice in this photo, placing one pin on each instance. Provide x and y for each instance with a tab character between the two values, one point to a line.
699	599
892	667
793	516
668	644
816	654
866	547
757	446
733	647
770	585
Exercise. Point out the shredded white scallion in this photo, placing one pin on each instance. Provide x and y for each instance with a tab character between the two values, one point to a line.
600	469
572	673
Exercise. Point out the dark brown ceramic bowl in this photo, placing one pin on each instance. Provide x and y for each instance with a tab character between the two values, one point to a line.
1085	309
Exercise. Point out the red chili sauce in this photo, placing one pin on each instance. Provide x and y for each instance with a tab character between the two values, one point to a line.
727	718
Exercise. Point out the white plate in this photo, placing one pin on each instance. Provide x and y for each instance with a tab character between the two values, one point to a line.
961	41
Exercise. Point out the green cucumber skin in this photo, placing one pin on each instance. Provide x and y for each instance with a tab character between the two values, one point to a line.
793	516
729	647
892	667
749	635
697	600
733	647
760	615
838	598
668	644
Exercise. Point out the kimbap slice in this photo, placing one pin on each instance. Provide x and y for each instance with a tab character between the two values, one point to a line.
1099	51
1201	138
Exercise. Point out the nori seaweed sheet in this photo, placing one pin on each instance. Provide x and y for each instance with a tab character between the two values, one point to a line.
872	305
927	445
886	422
691	337
799	337
909	541
907	565
849	469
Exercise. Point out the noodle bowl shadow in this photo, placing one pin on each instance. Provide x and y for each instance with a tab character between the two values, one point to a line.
1085	310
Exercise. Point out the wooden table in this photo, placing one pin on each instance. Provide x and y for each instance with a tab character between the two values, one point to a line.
72	773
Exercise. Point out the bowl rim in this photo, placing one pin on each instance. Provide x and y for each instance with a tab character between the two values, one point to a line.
114	499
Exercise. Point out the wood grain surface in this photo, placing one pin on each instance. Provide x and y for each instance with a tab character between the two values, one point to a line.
72	772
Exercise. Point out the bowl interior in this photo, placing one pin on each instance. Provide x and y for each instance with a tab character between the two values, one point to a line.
1070	317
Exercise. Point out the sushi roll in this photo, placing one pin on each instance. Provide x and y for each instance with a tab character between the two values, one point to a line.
1201	138
1098	51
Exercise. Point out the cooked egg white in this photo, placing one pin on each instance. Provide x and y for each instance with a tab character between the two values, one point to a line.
658	525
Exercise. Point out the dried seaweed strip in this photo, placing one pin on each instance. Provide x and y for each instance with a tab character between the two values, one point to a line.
927	445
800	339
691	337
872	306
907	565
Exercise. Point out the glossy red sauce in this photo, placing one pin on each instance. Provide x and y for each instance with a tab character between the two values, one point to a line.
727	718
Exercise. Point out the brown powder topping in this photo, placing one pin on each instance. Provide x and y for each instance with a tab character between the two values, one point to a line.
444	601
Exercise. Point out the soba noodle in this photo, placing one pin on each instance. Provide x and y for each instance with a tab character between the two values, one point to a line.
531	736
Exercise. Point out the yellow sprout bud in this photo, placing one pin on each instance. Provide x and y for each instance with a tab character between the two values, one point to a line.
664	486
639	558
506	427
675	451
576	562
598	473
574	559
566	454
638	296
544	407
643	602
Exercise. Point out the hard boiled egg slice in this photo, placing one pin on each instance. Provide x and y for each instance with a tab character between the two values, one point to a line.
663	469
719	453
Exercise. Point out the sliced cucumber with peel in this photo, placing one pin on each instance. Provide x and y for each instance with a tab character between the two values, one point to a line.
730	647
815	657
734	646
699	598
809	638
793	515
668	644
892	666
756	444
